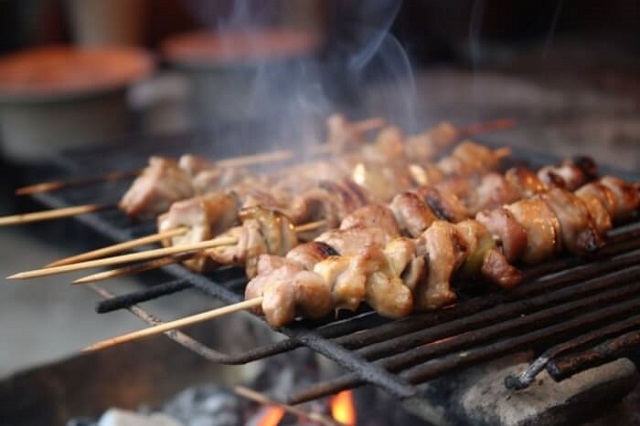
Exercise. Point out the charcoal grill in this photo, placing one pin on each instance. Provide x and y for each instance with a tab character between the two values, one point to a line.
576	313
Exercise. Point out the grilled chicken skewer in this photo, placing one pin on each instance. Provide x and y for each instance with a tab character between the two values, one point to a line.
413	213
332	202
432	141
402	276
165	181
325	194
399	275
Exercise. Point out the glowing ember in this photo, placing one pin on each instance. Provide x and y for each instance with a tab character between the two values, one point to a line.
272	417
343	409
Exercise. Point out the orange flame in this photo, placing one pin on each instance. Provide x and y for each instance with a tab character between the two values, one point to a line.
272	417
343	409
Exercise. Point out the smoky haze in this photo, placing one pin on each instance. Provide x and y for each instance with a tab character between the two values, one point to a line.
361	70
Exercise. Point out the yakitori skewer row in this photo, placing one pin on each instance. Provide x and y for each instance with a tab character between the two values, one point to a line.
266	230
399	275
171	180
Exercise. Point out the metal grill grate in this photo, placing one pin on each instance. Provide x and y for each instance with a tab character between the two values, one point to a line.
582	309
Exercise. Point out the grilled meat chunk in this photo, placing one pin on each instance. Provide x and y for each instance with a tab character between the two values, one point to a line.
161	183
571	174
626	198
511	236
445	252
579	233
412	215
348	242
525	181
493	191
205	217
600	201
542	227
262	231
372	215
446	206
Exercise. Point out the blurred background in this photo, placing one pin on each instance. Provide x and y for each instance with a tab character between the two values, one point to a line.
568	72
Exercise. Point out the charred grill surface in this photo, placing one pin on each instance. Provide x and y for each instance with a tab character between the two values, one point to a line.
576	312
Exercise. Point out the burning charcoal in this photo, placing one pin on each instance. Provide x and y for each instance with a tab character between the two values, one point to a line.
207	405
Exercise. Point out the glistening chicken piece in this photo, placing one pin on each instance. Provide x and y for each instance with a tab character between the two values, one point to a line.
542	227
411	213
161	183
205	217
329	202
445	251
469	158
289	290
445	205
579	233
484	258
510	234
626	198
262	231
571	174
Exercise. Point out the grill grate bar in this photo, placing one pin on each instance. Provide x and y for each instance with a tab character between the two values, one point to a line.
422	350
506	312
547	335
606	351
125	301
528	376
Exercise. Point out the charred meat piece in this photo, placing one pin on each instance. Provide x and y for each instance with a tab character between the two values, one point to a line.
469	158
579	233
425	174
542	227
446	206
205	217
525	181
348	242
330	202
385	291
445	252
161	183
308	254
373	215
492	191
412	215
626	198
571	174
348	276
511	236
600	201
262	231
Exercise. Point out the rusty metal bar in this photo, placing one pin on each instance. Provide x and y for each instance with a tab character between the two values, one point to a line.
528	376
607	351
545	335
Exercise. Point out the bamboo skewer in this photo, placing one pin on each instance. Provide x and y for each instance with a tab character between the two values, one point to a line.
116	248
52	214
172	325
264	400
59	184
126	258
132	269
150	254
